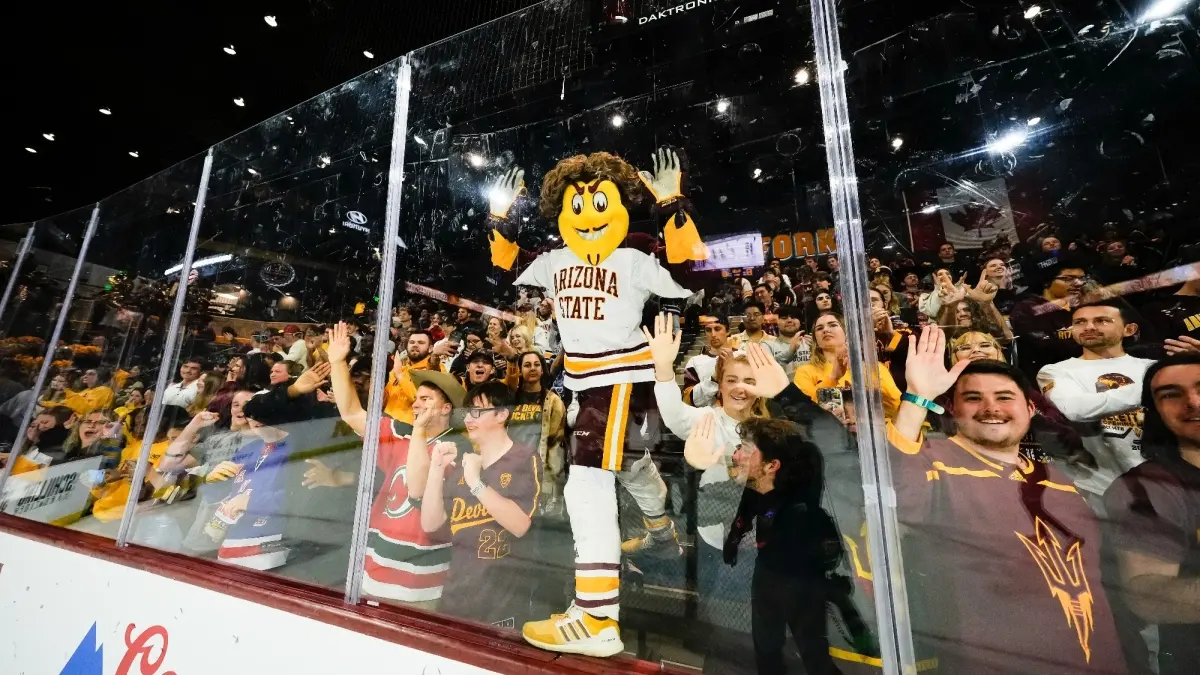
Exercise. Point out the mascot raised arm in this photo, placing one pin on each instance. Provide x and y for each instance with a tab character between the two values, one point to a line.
599	288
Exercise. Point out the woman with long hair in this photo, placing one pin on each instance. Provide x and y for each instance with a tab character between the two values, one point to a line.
966	314
210	384
539	419
98	433
975	346
235	376
823	301
719	495
829	367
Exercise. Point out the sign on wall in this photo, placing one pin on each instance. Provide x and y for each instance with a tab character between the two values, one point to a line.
57	494
72	614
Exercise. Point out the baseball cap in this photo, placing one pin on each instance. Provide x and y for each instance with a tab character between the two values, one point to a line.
443	381
482	355
291	328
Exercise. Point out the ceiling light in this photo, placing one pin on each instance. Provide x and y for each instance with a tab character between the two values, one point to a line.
722	106
172	209
368	54
1033	121
105	111
1008	142
133	153
802	76
230	50
897	142
757	173
929	209
239	102
420	141
31	150
271	21
1033	11
464	228
323	160
1162	9
618	120
203	262
252	172
48	137
475	159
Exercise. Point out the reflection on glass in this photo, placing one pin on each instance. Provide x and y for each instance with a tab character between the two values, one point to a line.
251	465
1040	208
532	473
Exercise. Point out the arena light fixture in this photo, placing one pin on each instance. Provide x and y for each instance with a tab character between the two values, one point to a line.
133	153
617	120
271	21
239	102
802	76
1033	121
203	262
897	142
230	50
367	53
475	159
757	172
929	209
723	106
48	137
1032	11
105	111
1008	142
28	149
1162	9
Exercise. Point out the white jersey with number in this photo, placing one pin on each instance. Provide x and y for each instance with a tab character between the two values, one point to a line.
599	312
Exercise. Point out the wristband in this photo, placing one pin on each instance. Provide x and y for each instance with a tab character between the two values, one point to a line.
478	488
923	402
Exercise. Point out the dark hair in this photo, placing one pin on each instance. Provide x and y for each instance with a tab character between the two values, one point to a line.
801	466
754	304
103	374
193	359
1159	444
442	394
422	331
497	393
230	330
824	276
173	417
545	381
990	367
1127	314
270	410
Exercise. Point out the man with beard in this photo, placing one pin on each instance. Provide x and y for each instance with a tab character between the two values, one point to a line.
753	313
1003	555
1101	392
1155	511
419	355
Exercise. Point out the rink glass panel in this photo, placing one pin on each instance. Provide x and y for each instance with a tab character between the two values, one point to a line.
1049	126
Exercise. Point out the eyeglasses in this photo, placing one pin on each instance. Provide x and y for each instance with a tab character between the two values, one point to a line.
476	413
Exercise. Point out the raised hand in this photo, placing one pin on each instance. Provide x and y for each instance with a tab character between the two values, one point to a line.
983	292
503	192
926	368
664	347
339	342
666	181
312	379
841	363
769	376
700	450
442	457
320	475
1183	344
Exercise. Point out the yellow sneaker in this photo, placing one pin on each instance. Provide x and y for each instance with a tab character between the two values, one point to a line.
575	632
665	547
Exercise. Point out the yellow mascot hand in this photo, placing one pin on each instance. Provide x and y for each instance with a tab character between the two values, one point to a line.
504	252
504	192
683	241
665	182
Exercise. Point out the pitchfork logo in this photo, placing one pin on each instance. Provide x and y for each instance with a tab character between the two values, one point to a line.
1066	576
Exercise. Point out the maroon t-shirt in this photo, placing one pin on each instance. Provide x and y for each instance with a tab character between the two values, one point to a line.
1002	564
491	569
1155	510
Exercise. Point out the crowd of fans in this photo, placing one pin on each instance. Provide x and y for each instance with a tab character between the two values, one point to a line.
1012	571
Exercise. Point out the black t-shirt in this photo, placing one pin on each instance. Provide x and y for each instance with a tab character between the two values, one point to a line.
1173	316
1043	334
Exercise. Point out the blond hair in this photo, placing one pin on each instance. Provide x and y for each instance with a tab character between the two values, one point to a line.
962	340
759	407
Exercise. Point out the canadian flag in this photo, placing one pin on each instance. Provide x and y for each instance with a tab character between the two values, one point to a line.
965	213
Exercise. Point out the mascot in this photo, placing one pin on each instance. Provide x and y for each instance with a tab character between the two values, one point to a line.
599	289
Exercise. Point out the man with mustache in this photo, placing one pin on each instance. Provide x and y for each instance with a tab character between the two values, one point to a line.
1002	555
1101	392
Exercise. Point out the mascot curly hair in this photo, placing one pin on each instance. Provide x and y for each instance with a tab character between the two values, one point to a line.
599	289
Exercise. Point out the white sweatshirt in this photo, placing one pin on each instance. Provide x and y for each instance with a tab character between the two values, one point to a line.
680	418
1103	397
